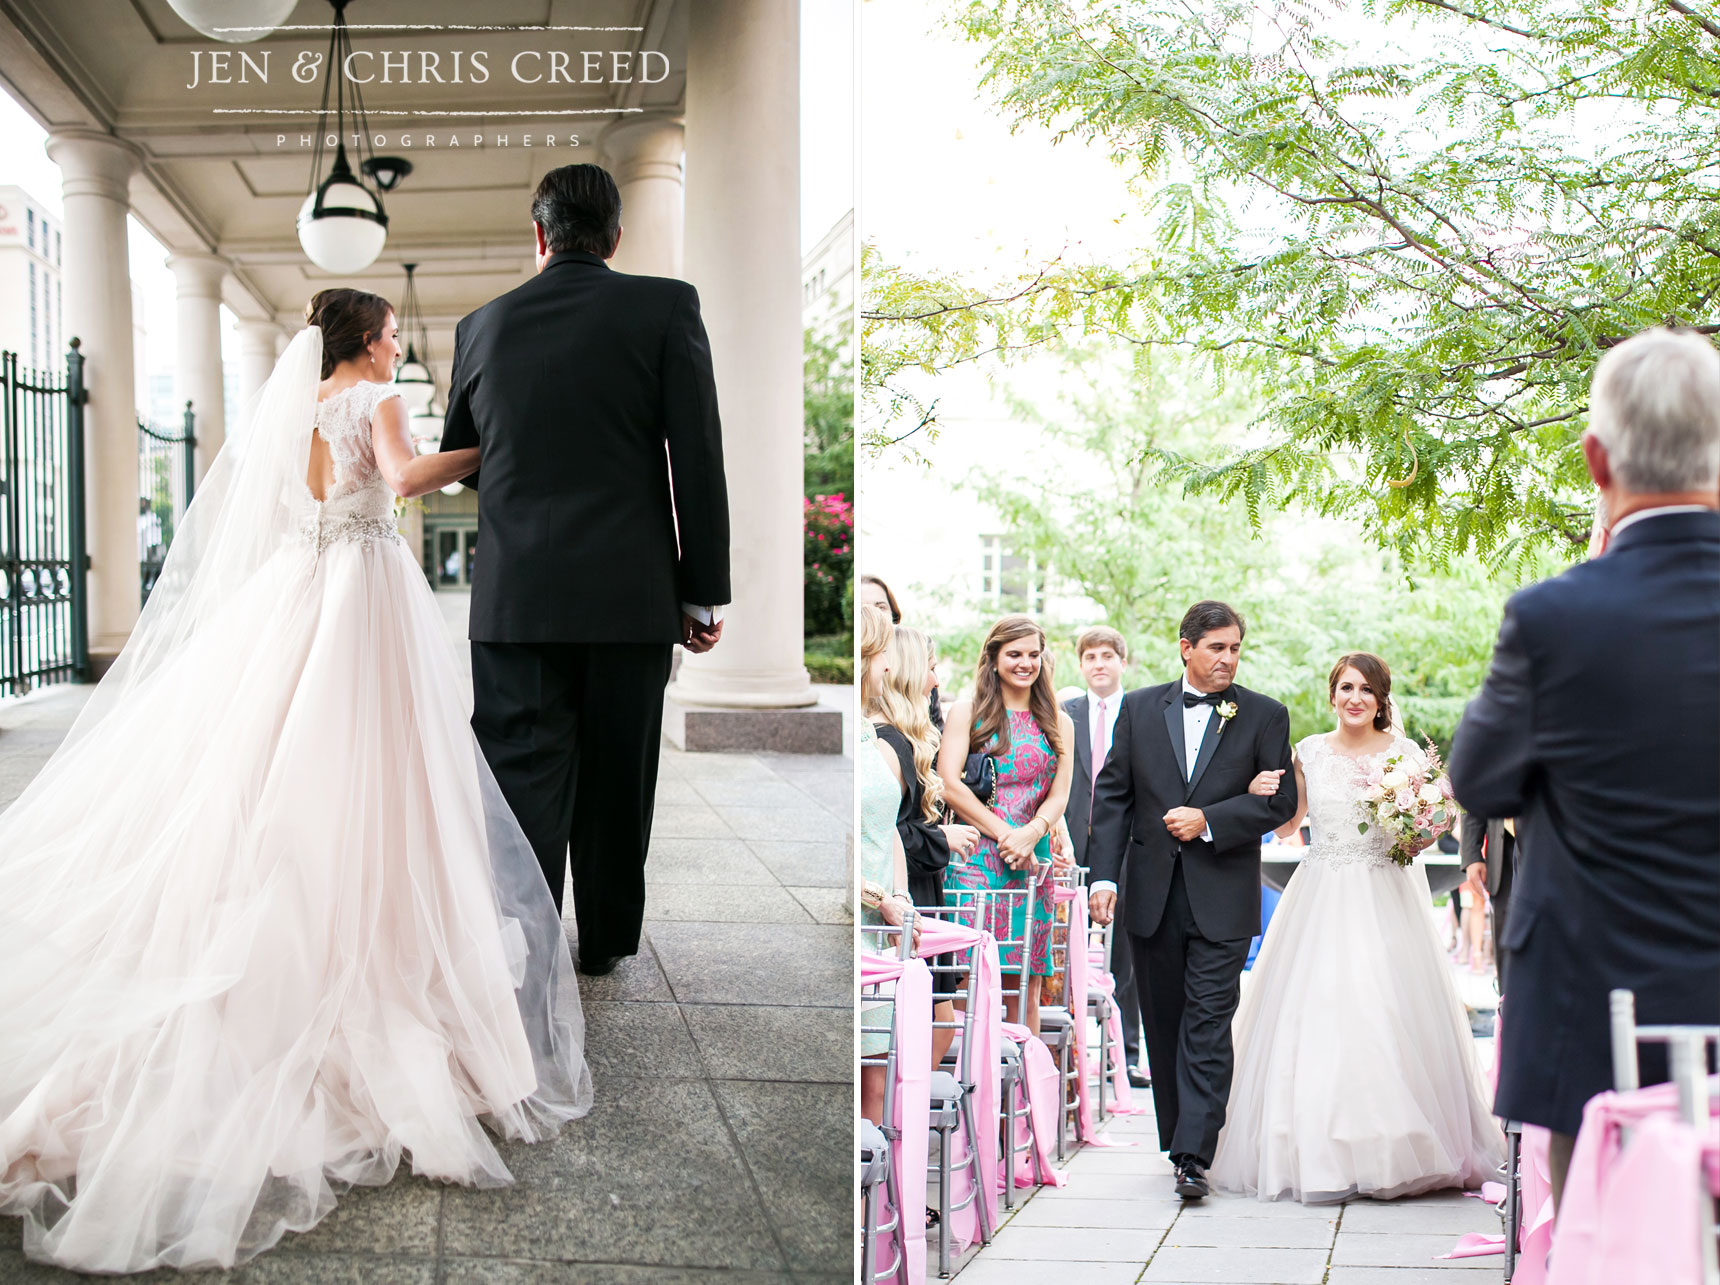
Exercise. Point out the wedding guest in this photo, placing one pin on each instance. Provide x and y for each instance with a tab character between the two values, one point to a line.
883	863
1102	654
875	593
1489	856
899	715
1014	720
1598	729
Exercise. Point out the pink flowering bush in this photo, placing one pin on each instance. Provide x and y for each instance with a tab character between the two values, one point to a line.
829	525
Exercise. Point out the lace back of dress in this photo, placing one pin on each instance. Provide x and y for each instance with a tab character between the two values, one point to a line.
343	422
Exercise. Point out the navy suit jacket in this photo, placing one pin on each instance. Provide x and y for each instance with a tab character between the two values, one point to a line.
1598	728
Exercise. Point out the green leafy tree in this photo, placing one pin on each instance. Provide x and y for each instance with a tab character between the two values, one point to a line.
1415	251
829	412
1309	589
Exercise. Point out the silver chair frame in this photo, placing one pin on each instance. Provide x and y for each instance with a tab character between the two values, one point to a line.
870	1229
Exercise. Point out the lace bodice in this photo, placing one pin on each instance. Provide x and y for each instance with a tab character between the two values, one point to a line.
359	506
1335	786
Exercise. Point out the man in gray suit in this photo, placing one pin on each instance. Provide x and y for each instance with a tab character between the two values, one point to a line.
1489	849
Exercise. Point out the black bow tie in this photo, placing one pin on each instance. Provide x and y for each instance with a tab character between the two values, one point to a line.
1190	699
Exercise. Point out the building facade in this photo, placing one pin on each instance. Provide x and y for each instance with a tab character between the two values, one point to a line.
31	252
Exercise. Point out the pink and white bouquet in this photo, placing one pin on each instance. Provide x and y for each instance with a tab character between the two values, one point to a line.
1411	801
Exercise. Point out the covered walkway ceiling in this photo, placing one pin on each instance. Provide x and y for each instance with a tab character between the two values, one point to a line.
216	180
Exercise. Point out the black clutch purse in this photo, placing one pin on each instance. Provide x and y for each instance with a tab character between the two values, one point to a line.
979	774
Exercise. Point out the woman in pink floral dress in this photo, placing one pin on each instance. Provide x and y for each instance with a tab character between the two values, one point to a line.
1014	718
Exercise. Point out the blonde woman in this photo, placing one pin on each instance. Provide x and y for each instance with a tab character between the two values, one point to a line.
1014	719
902	722
883	864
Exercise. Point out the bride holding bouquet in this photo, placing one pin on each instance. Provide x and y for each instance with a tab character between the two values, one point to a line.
1355	1070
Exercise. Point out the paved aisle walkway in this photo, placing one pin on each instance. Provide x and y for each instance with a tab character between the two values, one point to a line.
1118	1221
720	1146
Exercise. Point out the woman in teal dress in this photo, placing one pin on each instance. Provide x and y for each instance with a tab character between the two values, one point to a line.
883	863
1014	717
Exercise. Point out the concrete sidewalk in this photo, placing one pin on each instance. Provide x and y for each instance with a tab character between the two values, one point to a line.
720	1145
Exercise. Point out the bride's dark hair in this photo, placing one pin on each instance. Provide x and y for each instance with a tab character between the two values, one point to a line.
350	320
1378	676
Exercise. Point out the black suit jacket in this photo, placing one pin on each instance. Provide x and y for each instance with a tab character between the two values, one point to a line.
572	385
1598	728
1485	840
1144	778
1078	814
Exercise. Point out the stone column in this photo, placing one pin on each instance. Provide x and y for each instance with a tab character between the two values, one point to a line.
743	254
645	158
256	359
197	376
95	174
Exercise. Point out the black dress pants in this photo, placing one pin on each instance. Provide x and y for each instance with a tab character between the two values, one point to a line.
1189	987
571	731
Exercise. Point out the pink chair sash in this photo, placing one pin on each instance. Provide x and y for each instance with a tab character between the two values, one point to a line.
1631	1212
913	1100
1075	995
1122	1099
985	991
1044	1098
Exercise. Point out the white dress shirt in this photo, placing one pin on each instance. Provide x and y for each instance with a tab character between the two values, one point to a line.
706	616
1195	719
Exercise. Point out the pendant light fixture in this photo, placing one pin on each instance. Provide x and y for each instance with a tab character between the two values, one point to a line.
237	22
414	379
342	225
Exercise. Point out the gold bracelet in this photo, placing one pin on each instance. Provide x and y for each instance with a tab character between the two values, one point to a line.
871	895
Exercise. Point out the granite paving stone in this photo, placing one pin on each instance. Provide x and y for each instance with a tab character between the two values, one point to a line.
780	824
1418	1216
1133	1215
1436	1274
1402	1249
987	1270
812	1045
1075	1244
763	903
825	905
639	1040
705	862
807	1187
742	964
820	865
1231	1266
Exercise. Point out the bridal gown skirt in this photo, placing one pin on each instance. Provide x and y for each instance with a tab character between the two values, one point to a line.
267	926
1356	1073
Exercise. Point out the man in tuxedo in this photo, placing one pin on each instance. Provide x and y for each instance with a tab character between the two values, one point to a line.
1102	654
1488	851
598	556
1171	808
1598	729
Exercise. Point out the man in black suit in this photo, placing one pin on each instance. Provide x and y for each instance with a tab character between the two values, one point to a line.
1489	856
1172	808
1102	653
592	567
1598	728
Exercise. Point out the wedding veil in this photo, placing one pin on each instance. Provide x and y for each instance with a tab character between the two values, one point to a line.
240	516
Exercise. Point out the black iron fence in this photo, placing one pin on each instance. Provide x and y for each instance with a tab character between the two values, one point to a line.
44	621
166	477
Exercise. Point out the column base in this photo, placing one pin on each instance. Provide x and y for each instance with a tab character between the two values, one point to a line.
810	729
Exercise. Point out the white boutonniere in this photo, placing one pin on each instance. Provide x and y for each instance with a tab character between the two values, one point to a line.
1226	710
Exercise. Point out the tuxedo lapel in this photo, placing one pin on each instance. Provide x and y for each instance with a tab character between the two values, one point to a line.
1208	747
1174	725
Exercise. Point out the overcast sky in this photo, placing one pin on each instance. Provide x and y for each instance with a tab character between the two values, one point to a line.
826	148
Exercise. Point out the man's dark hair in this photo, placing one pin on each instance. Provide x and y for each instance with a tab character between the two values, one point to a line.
579	209
1204	617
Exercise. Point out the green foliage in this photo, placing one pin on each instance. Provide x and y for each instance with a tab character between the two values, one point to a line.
1103	517
1415	252
830	658
828	538
829	412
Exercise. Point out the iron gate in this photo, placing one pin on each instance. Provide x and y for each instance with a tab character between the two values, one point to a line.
165	480
44	622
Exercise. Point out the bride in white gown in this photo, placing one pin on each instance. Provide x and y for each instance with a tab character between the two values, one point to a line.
1355	1070
266	923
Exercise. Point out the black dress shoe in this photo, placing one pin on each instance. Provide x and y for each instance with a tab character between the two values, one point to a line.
1138	1078
1191	1180
600	967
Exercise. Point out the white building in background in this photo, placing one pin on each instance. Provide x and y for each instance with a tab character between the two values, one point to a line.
827	277
31	247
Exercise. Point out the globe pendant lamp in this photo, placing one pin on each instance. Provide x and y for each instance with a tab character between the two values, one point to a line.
414	379
342	225
237	22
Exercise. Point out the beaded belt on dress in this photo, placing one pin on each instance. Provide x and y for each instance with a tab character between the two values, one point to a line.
352	528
